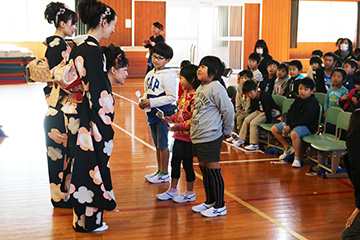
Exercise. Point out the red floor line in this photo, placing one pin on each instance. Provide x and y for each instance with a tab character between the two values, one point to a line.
345	183
297	196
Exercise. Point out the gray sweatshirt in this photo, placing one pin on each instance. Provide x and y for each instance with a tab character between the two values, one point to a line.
213	113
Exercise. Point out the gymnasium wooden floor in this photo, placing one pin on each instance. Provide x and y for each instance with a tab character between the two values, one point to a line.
264	200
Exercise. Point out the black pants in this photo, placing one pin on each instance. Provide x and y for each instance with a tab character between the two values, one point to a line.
182	151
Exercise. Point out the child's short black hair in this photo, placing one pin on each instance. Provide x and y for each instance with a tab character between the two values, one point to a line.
353	63
248	73
357	51
297	64
342	71
189	73
163	50
356	78
316	60
271	62
215	66
184	63
331	54
255	57
284	66
307	82
249	86
317	52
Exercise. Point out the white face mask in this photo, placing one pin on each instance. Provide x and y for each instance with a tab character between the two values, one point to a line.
344	47
259	51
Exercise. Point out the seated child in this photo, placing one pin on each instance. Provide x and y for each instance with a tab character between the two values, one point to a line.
301	120
282	79
337	90
261	105
323	75
292	88
242	104
350	66
351	102
315	63
311	71
253	63
267	85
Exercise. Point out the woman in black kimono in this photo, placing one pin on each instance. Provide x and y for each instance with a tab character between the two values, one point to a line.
150	43
64	20
90	188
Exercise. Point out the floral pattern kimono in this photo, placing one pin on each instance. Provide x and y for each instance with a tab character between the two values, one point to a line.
54	125
90	187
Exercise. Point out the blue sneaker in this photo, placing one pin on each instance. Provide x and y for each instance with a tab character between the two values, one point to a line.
214	212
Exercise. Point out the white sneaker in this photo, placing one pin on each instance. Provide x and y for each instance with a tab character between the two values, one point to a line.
159	179
289	150
185	198
296	164
104	227
167	195
151	175
252	147
213	212
230	140
238	143
201	207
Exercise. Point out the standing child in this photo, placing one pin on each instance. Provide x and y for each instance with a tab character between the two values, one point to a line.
182	64
301	120
213	117
292	88
350	66
323	75
337	90
160	93
282	79
253	62
351	102
182	149
261	106
64	21
242	105
267	85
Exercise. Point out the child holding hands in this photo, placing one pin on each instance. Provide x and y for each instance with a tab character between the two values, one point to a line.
182	149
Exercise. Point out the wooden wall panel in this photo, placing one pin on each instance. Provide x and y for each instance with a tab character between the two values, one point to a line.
122	35
304	49
146	13
276	28
251	29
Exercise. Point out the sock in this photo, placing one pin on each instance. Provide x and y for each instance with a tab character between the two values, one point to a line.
297	158
207	186
160	173
172	190
219	187
189	192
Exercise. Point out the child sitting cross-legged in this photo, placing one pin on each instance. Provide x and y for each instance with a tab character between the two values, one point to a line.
261	105
301	120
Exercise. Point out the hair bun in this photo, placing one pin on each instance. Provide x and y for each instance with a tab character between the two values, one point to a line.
51	10
85	7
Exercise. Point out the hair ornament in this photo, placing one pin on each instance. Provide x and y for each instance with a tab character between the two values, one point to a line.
118	58
61	11
106	13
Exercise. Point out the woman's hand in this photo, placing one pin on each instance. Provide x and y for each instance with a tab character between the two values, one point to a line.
350	220
167	120
175	127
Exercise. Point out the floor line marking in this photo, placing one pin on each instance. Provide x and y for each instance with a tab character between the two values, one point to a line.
125	98
245	204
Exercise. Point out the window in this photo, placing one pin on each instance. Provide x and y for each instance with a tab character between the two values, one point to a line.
321	21
23	20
